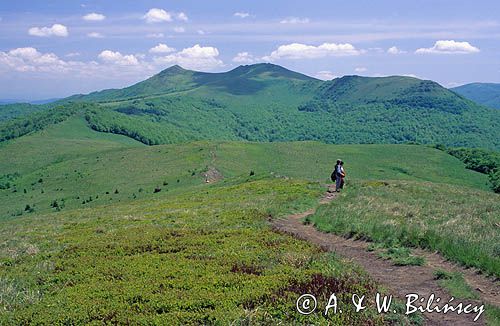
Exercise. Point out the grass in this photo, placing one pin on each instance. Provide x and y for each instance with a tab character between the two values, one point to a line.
206	256
84	170
402	256
97	244
459	222
455	284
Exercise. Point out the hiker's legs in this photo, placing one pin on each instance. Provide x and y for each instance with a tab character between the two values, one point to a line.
341	183
337	183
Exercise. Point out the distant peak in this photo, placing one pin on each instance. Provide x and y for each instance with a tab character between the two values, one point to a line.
173	70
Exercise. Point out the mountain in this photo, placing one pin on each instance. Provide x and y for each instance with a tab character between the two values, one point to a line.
17	101
266	102
483	93
14	110
241	80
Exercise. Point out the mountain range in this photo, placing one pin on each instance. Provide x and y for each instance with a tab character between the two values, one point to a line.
483	93
267	102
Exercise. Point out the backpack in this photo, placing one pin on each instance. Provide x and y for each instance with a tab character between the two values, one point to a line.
333	176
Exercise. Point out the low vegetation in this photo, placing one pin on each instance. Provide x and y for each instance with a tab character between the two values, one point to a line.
190	259
459	222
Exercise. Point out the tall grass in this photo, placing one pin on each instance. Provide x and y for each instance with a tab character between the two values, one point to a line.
460	222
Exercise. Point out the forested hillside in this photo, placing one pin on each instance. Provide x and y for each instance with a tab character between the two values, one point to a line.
266	102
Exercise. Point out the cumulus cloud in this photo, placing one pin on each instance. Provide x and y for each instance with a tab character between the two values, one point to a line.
30	59
360	69
95	35
304	51
325	75
395	50
294	20
241	14
161	48
117	58
94	17
244	57
178	29
196	57
55	30
155	35
156	15
182	16
449	47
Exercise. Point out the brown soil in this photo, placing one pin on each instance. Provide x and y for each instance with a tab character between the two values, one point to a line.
399	280
212	175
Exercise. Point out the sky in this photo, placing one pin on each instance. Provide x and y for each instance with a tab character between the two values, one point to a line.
56	48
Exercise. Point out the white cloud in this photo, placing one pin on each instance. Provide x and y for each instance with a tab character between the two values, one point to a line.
117	58
156	15
95	35
196	57
325	75
178	29
304	51
360	69
73	54
395	50
94	17
244	57
182	16
155	35
449	47
161	48
201	32
30	60
294	20
241	14
55	30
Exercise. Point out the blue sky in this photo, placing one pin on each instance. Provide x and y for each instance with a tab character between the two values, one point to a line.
55	48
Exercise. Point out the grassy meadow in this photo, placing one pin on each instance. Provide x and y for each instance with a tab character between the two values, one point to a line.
71	166
458	221
99	228
206	256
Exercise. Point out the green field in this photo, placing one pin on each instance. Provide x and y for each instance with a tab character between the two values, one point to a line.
78	167
97	227
113	250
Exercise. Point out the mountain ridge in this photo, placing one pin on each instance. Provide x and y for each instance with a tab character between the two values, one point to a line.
487	94
267	102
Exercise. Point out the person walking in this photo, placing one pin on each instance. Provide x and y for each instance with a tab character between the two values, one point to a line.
338	175
342	175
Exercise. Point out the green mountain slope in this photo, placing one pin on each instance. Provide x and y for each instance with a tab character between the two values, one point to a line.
239	81
72	164
483	93
266	102
10	111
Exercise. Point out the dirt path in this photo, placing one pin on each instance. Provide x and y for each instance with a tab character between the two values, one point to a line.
399	280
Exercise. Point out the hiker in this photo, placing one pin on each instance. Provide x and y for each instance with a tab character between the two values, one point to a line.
342	175
338	175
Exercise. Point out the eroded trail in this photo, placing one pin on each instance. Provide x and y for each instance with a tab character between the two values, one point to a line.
399	280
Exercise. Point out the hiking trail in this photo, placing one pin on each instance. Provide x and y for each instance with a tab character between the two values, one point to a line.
398	280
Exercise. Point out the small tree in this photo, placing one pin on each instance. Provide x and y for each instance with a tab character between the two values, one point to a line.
54	204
